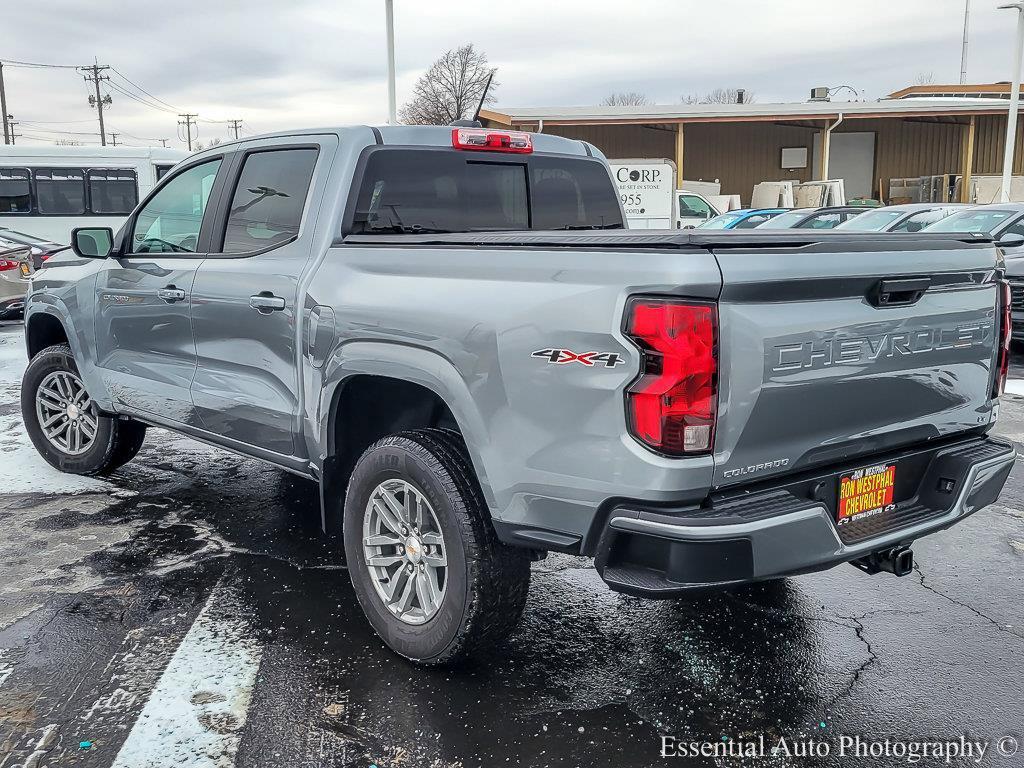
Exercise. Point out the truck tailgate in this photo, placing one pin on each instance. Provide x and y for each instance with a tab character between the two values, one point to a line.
819	367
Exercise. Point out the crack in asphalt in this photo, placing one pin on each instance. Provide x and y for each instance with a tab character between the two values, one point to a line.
969	607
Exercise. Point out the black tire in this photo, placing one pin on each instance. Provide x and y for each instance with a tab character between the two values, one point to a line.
116	441
487	581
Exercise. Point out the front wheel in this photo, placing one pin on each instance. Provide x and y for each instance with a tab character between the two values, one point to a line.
428	571
63	423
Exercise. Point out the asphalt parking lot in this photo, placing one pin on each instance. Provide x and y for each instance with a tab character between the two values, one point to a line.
186	611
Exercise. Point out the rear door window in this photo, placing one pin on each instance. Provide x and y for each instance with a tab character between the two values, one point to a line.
427	190
15	190
60	191
266	208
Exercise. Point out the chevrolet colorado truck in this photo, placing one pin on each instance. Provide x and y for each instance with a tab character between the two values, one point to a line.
451	332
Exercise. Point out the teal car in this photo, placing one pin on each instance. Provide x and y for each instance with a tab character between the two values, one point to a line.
745	218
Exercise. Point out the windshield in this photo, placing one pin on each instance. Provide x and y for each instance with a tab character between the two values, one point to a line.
985	221
784	220
444	190
918	221
721	222
873	221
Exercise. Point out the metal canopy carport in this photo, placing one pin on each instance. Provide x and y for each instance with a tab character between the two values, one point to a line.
741	143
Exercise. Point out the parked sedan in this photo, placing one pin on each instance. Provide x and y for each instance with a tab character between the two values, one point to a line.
15	270
41	249
829	217
911	217
746	218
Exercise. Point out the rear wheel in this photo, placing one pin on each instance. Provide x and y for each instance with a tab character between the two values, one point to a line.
63	422
432	578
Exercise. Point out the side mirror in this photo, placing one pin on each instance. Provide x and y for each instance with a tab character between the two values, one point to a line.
1011	241
92	242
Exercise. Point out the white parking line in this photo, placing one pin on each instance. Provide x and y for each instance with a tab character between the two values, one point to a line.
1015	386
196	712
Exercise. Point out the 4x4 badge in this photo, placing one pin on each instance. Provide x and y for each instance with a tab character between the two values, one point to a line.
563	356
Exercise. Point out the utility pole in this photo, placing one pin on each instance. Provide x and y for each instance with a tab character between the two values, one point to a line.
187	121
235	125
94	72
113	136
11	123
389	11
1011	117
963	51
163	142
3	106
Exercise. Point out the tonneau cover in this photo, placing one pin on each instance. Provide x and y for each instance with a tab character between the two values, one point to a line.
678	238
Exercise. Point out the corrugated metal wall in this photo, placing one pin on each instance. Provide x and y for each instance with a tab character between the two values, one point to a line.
989	138
623	141
743	154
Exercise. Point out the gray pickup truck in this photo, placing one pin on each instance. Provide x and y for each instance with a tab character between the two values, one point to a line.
451	332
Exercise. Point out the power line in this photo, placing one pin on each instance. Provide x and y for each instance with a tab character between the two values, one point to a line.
140	100
143	90
36	65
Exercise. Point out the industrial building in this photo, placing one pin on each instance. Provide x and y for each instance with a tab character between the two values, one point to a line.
919	131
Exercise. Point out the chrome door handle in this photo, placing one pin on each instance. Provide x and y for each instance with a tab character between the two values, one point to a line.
266	303
170	294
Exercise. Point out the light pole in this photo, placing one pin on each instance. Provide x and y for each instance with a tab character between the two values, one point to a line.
389	12
963	50
1011	117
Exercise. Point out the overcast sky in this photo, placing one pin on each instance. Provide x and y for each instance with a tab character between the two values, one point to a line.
286	63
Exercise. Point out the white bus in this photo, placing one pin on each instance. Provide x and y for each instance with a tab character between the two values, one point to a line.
48	191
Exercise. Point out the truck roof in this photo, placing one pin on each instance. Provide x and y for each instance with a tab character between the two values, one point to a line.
422	135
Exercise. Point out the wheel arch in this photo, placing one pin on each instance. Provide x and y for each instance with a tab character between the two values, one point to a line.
411	387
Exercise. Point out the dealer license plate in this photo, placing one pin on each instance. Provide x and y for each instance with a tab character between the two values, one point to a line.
25	269
865	493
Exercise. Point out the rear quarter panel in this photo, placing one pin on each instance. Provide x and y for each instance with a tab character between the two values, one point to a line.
548	440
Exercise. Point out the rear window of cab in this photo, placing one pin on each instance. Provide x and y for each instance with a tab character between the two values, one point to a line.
444	191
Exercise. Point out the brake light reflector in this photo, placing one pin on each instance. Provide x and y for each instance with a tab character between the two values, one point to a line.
672	406
1005	328
6	264
492	141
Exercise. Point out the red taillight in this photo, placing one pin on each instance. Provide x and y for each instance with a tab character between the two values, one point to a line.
672	405
1005	328
492	141
6	264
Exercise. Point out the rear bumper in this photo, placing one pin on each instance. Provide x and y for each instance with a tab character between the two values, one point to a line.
785	530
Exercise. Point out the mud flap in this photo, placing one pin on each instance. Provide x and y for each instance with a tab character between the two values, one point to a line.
332	497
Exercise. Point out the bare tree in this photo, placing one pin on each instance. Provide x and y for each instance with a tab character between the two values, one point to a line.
925	78
68	143
625	99
721	96
198	146
450	89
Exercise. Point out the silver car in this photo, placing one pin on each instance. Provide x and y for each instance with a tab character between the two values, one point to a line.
15	274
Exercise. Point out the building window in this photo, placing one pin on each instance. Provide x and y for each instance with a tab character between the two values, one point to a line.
113	191
60	191
15	190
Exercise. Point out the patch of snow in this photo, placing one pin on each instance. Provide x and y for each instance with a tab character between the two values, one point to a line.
24	469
